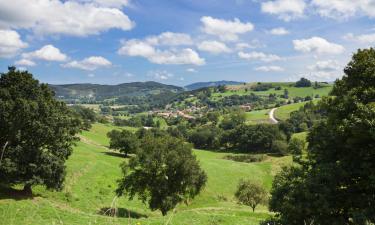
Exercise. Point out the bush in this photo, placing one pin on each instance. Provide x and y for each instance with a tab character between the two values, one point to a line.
246	158
280	146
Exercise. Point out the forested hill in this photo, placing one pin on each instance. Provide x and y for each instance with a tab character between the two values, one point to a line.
100	92
199	85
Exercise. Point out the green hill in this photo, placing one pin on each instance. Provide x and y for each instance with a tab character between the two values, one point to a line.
92	172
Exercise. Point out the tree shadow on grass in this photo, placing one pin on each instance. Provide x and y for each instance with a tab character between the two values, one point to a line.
121	212
10	193
115	154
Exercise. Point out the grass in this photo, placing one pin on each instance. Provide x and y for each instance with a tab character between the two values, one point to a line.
91	182
283	112
258	116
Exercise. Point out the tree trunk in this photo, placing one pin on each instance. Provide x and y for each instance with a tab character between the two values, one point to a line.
253	208
27	189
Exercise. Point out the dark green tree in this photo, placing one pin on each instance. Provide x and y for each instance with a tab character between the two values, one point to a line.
251	193
36	132
163	173
124	141
335	186
303	82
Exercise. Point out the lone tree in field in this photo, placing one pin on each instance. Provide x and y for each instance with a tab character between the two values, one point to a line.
251	193
36	132
336	184
124	141
163	173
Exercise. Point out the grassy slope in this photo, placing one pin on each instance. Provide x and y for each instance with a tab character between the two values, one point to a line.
258	116
91	181
283	112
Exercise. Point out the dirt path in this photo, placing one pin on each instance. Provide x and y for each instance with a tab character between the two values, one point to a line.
272	117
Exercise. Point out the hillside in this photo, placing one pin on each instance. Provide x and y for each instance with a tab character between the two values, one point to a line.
90	186
100	92
199	85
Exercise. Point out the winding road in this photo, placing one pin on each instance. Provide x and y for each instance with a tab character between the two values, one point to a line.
272	117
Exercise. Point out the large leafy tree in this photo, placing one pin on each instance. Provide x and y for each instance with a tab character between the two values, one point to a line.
336	184
163	173
36	132
124	141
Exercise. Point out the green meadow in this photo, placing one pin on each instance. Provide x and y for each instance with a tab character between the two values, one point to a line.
92	171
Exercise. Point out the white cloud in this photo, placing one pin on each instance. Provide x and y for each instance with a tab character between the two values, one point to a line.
269	69
90	63
279	31
317	45
214	47
160	74
25	62
10	43
71	17
226	30
143	49
259	56
328	65
91	75
343	9
363	38
47	53
285	9
170	38
252	44
111	3
191	70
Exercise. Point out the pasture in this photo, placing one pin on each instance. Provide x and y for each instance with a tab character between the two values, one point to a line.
93	169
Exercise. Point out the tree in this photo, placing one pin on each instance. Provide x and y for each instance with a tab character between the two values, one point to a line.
163	173
251	193
233	119
286	94
124	141
303	82
335	185
36	132
88	116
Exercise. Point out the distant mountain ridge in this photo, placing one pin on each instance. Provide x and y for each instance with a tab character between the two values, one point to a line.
199	85
100	92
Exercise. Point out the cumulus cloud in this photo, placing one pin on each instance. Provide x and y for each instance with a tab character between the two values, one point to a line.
343	9
328	65
90	63
317	45
25	62
143	49
170	38
284	9
10	43
160	74
259	56
269	69
279	31
71	17
47	53
252	44
226	30
214	47
363	38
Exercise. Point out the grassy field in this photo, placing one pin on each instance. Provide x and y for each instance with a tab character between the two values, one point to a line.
283	112
258	116
92	171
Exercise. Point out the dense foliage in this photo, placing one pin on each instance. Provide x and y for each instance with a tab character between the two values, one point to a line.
124	141
36	132
163	173
335	184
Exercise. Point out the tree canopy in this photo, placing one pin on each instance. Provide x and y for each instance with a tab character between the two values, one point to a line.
36	132
163	173
124	141
251	193
335	186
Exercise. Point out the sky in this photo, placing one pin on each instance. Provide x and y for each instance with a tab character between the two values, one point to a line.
180	41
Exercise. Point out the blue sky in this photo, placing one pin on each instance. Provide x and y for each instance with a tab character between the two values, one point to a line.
180	41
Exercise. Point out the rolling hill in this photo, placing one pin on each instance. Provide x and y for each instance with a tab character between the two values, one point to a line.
101	92
199	85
